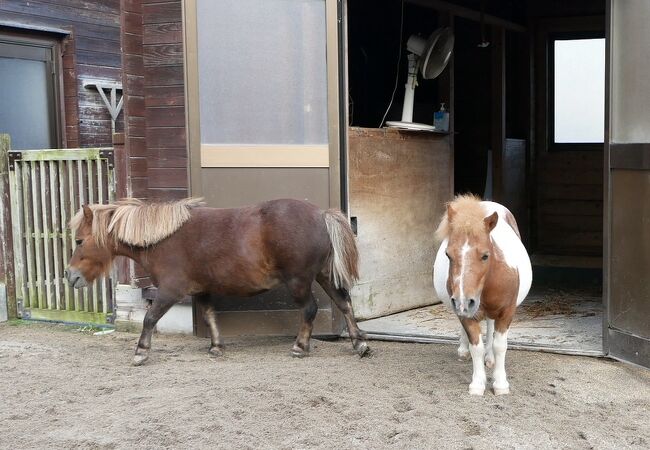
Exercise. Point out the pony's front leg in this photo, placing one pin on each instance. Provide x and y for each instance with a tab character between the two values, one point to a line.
463	346
217	347
477	350
500	345
154	313
489	347
216	343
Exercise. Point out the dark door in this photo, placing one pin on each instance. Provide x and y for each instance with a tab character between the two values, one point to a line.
627	249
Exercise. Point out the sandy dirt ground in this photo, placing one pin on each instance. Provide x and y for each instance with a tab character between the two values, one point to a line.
65	388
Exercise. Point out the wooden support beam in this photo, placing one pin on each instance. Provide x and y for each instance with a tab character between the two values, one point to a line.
8	308
498	109
467	13
446	94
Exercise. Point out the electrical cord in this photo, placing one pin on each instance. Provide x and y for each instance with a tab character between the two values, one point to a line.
399	59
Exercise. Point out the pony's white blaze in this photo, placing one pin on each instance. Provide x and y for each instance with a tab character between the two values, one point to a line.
463	256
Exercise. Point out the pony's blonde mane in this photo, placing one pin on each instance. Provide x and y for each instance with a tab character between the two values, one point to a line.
468	217
135	222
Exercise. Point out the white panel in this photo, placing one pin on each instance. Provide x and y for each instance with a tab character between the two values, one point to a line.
630	63
177	320
262	71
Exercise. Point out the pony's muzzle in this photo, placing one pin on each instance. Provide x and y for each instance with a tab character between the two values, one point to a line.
465	307
75	278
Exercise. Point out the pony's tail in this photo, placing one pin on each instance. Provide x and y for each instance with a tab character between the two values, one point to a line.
343	259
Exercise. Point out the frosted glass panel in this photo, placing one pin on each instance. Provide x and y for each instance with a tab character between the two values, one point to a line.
630	122
579	85
25	104
262	71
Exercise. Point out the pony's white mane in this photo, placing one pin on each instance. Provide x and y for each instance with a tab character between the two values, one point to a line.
135	222
468	217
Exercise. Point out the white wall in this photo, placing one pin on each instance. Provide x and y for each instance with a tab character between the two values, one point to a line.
131	308
177	320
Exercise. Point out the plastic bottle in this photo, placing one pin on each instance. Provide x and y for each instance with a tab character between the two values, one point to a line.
441	119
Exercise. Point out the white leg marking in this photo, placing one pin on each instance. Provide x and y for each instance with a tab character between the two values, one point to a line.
463	348
489	351
477	387
500	385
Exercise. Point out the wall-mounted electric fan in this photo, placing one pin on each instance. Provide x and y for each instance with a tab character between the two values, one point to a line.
429	57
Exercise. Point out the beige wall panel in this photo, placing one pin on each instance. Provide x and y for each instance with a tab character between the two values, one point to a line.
399	182
264	155
231	187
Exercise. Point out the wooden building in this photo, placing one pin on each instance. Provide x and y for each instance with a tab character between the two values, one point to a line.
241	101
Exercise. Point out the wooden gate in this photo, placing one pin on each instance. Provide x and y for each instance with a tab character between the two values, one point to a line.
47	187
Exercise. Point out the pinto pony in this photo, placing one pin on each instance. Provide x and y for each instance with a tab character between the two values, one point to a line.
482	271
189	249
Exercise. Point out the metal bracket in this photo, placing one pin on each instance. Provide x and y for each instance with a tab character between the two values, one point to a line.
13	156
109	156
113	105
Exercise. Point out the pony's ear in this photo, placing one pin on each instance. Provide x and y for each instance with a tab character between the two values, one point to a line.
450	212
88	214
491	221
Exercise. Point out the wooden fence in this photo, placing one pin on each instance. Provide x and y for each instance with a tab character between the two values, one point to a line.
47	187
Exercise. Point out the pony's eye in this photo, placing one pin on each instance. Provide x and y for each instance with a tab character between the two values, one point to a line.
78	241
485	257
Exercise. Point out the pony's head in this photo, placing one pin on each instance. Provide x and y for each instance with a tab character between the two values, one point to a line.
101	230
469	249
93	255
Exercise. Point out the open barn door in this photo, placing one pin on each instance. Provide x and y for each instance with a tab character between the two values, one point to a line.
627	249
262	80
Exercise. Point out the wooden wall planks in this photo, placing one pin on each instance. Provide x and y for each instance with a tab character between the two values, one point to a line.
91	51
570	203
164	93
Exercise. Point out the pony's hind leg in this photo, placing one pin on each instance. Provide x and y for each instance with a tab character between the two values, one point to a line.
301	293
301	347
343	302
157	309
489	349
477	350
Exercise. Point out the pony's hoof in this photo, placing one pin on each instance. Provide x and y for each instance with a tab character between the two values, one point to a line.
139	360
216	351
489	361
476	390
298	352
501	389
463	355
362	349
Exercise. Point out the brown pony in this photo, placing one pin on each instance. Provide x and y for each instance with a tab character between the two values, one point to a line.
189	249
482	271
